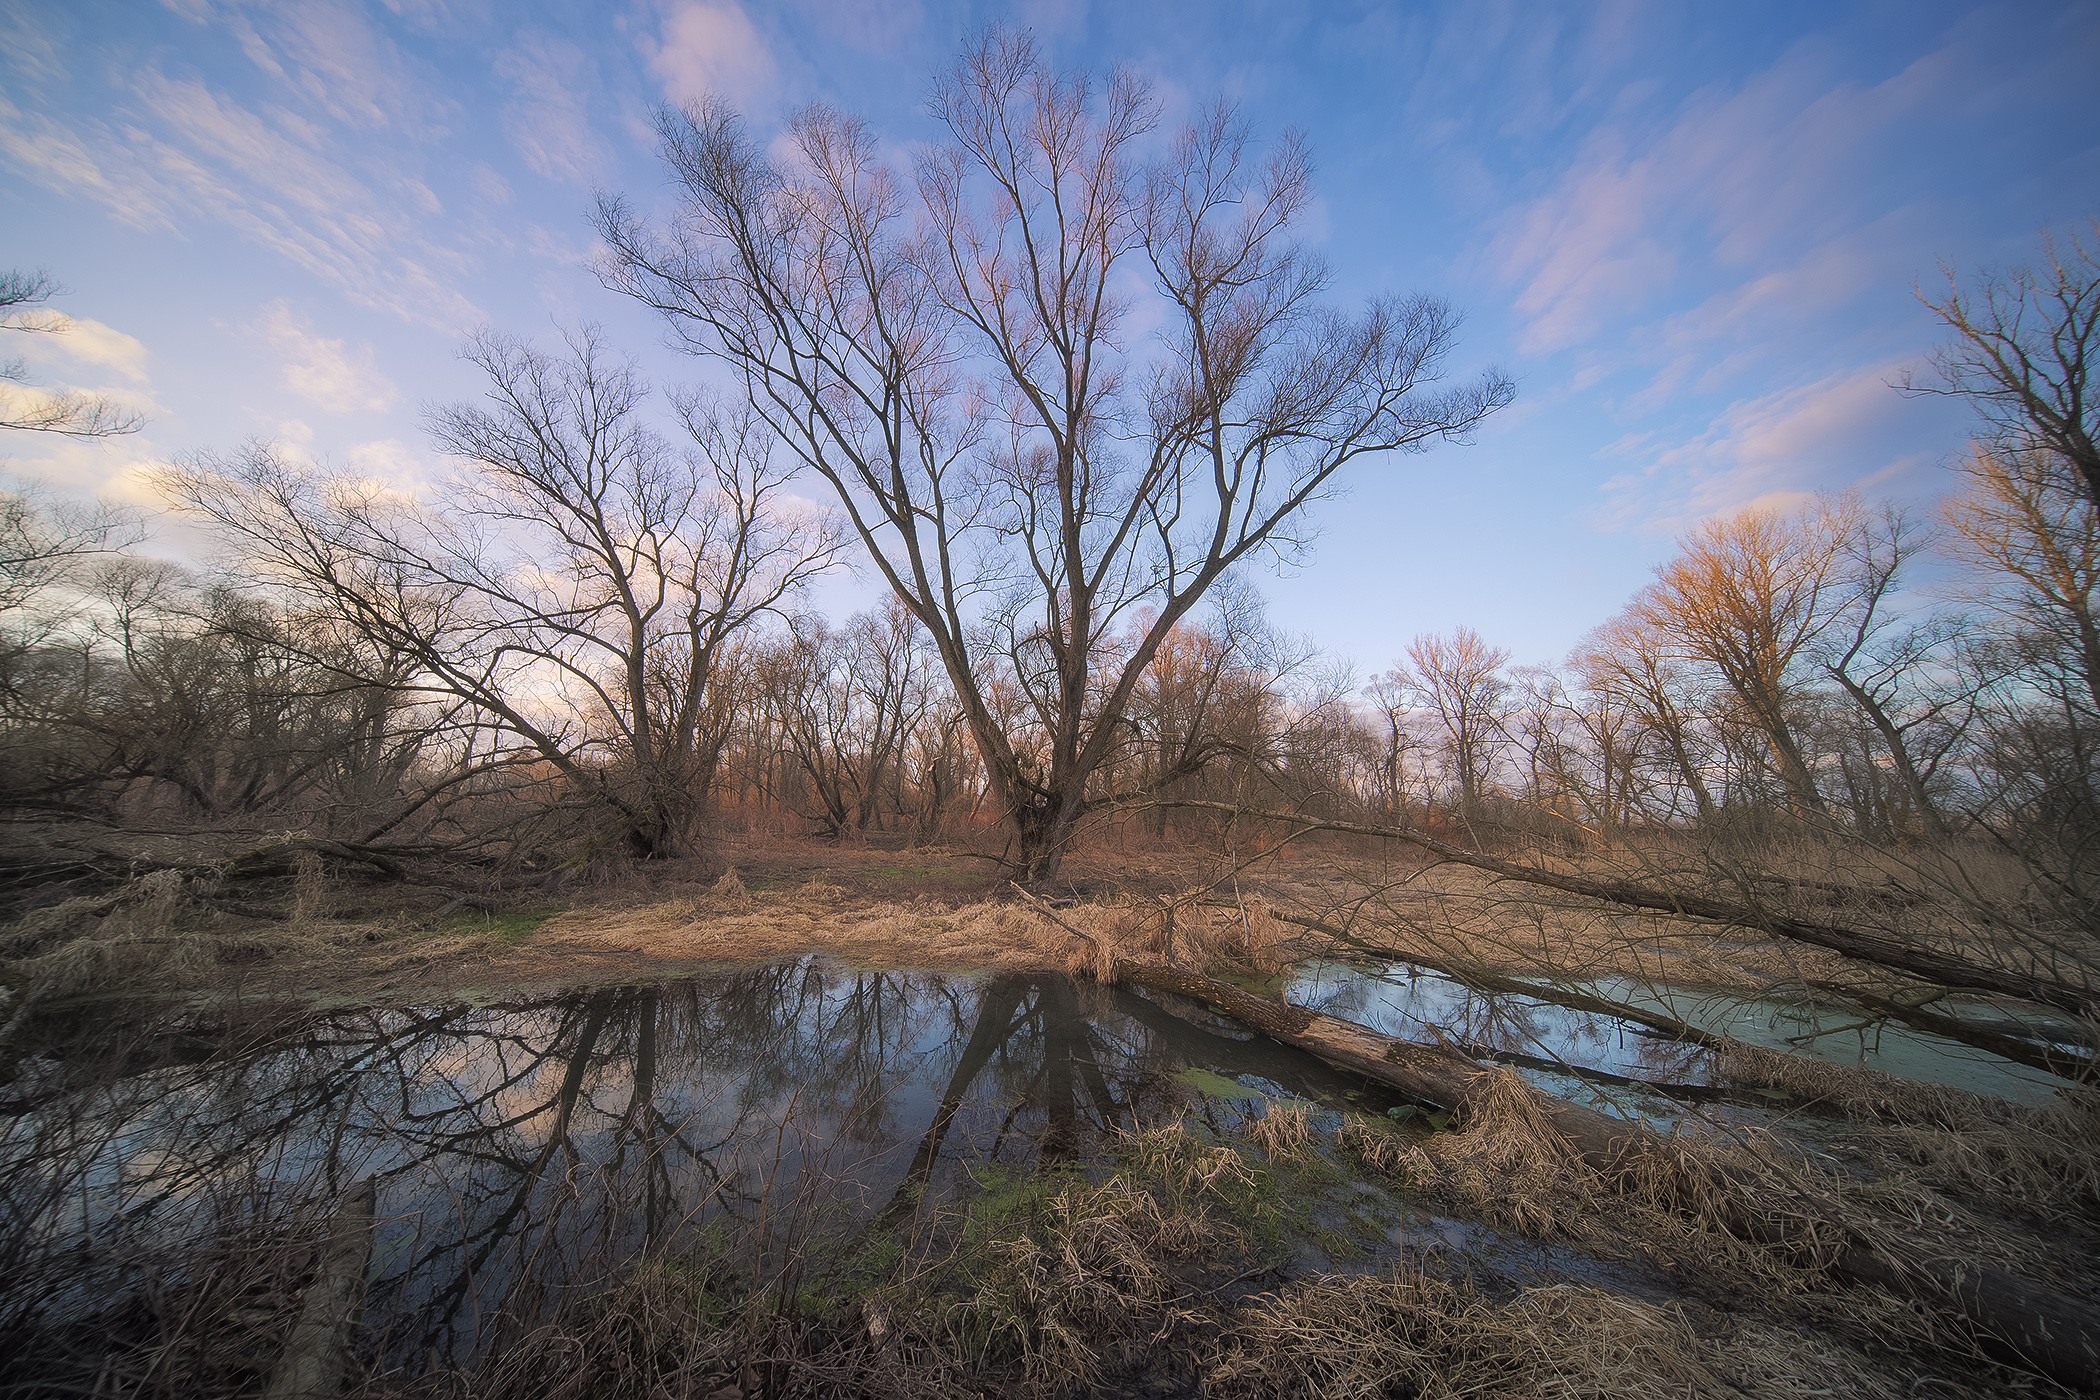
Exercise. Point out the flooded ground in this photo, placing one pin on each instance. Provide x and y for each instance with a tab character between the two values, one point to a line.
521	1149
1410	1002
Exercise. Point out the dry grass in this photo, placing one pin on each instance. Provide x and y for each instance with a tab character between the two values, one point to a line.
2041	1160
1356	1338
1282	1130
730	925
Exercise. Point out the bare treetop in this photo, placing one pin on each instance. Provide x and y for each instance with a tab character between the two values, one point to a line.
964	360
2024	351
24	298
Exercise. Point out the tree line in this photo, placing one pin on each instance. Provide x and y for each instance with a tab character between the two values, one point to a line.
596	637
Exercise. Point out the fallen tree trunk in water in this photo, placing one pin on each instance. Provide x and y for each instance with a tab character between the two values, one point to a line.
316	1356
2030	1326
1929	964
2065	1064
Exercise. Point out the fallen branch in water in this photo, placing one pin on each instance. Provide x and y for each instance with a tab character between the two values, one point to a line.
1942	969
2043	1330
2068	1064
317	1353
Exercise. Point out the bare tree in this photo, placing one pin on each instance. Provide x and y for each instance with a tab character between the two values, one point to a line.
49	549
23	307
2025	350
2032	544
847	702
1633	663
1460	679
2029	536
1747	596
956	359
1580	741
580	583
1887	664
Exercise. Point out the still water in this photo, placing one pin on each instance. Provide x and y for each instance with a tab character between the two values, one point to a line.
522	1147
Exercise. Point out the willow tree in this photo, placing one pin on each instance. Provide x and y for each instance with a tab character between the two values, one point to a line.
1060	374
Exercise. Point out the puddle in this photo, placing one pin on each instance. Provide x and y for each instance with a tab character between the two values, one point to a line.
1401	999
520	1147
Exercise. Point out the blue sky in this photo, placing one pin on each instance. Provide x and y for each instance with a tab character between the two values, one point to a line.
1690	231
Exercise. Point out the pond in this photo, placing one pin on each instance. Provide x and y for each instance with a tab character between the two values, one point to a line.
522	1147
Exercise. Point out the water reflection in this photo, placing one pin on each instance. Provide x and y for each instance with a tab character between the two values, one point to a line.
526	1147
1412	1003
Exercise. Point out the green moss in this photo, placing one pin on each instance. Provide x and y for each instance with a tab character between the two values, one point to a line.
1210	1082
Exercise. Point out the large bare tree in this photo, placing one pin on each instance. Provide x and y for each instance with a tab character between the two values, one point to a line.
1065	373
1748	596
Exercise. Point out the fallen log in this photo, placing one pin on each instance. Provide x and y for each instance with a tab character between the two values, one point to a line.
317	1354
2025	1324
1928	964
2066	1064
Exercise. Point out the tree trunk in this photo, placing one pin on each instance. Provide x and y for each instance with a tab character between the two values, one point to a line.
2031	1326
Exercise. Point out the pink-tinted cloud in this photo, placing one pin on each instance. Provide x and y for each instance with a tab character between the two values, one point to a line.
1837	431
710	48
1733	181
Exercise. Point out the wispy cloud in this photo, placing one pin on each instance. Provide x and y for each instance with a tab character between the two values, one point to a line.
1732	180
332	56
324	372
73	163
548	119
1834	432
710	48
872	26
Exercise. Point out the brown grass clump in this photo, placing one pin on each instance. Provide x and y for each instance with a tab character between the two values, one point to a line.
1512	1168
1092	1275
1283	1130
1379	1151
2044	1163
1356	1338
2043	1159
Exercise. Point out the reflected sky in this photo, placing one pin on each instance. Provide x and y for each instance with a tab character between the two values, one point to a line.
523	1148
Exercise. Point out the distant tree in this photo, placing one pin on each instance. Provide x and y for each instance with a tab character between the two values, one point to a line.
49	549
1893	667
1632	664
2030	538
2026	353
1026	468
1459	679
1747	596
23	299
579	582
